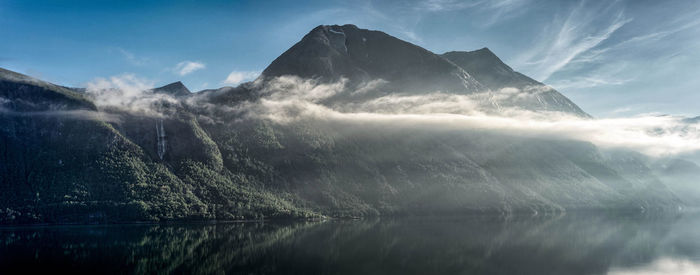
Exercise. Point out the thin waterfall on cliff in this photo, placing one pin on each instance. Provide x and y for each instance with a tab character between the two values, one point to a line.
160	132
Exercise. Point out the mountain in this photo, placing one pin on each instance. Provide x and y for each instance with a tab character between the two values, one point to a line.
330	53
67	155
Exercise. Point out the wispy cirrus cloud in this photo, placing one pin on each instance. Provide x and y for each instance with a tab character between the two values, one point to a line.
579	34
502	10
615	74
649	60
444	5
187	67
132	58
454	5
494	11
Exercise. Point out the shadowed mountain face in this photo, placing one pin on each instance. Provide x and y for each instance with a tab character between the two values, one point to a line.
332	52
167	154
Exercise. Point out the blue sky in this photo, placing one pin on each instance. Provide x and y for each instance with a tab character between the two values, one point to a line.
613	58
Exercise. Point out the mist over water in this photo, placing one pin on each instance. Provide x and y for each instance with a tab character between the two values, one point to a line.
567	244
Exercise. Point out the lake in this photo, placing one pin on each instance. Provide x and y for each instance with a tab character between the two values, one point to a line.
566	244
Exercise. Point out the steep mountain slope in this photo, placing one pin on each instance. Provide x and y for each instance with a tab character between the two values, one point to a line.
490	71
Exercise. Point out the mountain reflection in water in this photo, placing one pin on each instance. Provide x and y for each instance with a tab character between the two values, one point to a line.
569	244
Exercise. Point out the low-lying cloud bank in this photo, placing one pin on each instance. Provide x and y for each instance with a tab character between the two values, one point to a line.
287	100
127	92
72	114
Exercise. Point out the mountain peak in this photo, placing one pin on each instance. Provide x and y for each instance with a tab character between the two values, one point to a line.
481	59
484	52
332	28
175	89
488	69
332	52
335	26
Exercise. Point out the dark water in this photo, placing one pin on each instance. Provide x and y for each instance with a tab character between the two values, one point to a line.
570	244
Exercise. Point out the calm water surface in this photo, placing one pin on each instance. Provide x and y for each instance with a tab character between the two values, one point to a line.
569	244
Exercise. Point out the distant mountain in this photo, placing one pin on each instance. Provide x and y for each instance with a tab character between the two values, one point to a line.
209	155
176	89
692	120
30	94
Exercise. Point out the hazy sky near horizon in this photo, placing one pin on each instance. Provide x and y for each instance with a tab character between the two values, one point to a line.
613	58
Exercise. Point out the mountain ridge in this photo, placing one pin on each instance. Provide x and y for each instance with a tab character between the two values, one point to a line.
332	52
